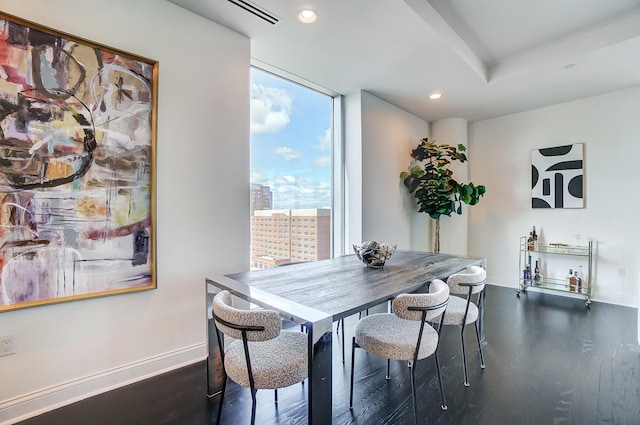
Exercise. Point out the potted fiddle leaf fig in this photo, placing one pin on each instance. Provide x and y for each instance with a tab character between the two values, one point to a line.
431	181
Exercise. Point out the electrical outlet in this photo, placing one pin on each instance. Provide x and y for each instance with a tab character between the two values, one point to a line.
6	345
621	272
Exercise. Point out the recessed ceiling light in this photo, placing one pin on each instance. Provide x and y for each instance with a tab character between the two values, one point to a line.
435	96
307	15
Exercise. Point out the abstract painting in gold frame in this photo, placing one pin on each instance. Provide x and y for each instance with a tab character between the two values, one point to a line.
77	167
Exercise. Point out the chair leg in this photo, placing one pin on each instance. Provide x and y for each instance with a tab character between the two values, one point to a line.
464	358
413	396
388	369
253	407
479	346
481	303
444	402
275	396
353	356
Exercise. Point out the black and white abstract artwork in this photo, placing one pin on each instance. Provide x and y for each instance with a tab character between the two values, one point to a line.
557	177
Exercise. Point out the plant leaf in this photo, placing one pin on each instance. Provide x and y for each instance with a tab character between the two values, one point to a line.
431	181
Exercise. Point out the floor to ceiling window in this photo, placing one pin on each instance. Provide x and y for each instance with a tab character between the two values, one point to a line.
292	199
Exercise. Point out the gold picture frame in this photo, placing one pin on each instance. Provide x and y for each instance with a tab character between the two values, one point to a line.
77	167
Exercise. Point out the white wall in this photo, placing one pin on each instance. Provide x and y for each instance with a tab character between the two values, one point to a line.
72	350
500	158
389	212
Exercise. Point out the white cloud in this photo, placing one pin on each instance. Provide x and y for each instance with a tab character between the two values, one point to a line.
258	176
287	153
285	180
299	192
270	109
322	162
295	191
324	140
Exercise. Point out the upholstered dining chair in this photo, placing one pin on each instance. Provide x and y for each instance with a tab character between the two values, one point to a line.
462	311
262	356
404	334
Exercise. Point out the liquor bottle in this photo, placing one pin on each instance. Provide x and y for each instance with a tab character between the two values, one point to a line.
537	272
572	281
535	239
530	242
581	273
578	276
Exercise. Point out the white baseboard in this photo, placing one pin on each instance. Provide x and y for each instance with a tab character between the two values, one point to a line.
616	299
599	296
44	400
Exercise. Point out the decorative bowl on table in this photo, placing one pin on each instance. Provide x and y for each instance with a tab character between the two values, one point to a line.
373	254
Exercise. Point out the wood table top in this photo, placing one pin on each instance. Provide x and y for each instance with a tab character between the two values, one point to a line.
344	286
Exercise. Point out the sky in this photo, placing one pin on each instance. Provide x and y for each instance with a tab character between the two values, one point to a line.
290	141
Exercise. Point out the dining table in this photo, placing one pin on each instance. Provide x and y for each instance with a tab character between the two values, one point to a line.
316	294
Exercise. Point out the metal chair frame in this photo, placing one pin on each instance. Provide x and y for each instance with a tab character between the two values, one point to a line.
245	343
413	362
464	322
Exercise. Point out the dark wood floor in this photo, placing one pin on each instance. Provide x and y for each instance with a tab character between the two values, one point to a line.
549	360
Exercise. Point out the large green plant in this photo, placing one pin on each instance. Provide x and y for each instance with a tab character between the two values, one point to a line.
432	183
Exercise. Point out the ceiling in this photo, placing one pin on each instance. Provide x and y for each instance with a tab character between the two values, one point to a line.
488	58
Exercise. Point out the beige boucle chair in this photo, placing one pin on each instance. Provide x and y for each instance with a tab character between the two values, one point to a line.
463	311
262	356
404	334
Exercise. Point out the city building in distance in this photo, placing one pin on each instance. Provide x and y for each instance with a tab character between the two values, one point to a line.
261	197
289	236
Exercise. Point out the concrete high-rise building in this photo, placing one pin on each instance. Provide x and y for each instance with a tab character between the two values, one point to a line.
289	236
261	197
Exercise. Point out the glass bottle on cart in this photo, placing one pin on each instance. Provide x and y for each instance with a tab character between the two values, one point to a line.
533	255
